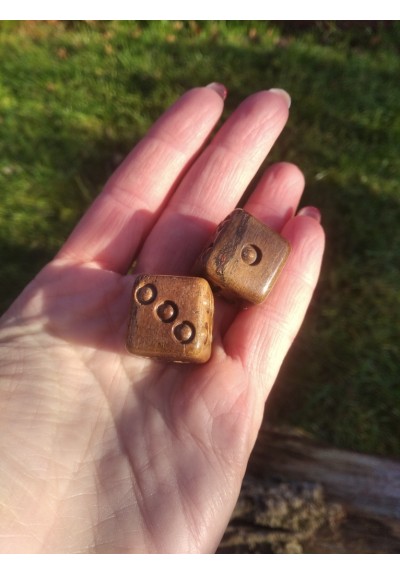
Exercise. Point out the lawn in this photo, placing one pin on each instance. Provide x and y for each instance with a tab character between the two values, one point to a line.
76	96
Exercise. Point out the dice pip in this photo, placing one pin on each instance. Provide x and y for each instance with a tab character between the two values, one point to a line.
171	318
244	258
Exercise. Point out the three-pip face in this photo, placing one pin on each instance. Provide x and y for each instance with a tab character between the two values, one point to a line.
171	318
244	259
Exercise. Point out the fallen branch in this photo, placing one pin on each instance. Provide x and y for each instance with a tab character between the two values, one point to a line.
301	496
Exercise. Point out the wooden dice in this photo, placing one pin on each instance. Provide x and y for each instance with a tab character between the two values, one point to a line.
244	258
171	318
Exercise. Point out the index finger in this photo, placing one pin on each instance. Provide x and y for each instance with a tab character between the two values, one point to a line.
118	221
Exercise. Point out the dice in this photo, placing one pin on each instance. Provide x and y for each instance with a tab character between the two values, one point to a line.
171	318
244	259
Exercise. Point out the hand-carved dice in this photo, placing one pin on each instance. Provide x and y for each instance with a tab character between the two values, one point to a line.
171	318
244	259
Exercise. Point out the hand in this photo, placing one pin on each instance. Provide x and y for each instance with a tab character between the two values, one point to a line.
102	451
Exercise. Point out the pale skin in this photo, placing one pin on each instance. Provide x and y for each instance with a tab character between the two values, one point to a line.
105	452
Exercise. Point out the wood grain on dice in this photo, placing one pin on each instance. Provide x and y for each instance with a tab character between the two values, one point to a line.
244	259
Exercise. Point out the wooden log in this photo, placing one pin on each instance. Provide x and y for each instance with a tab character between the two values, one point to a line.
278	517
299	496
363	483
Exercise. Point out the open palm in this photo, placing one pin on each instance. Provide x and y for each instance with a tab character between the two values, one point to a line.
102	451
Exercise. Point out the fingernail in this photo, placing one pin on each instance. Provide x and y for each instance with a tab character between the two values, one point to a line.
310	212
219	88
282	93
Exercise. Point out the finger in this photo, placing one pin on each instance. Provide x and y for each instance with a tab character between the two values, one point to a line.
215	183
261	335
277	195
120	218
274	201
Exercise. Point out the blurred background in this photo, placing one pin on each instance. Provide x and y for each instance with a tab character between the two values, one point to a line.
76	96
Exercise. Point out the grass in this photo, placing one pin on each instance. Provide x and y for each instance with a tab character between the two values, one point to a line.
74	98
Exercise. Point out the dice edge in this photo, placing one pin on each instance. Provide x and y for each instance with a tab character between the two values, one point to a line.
197	358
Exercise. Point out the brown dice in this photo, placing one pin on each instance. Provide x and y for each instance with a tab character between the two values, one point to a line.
244	259
171	318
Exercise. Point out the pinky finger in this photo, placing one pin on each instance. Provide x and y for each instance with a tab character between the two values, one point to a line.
261	336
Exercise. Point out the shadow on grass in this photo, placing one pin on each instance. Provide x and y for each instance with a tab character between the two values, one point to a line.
19	265
340	379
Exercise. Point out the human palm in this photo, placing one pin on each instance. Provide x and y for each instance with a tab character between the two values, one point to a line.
102	451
